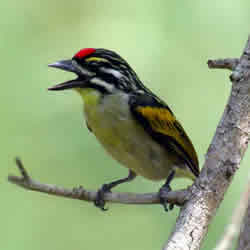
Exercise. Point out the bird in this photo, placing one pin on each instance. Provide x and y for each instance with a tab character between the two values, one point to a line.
134	126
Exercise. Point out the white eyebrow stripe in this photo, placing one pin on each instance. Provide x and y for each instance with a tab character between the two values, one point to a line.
113	72
102	83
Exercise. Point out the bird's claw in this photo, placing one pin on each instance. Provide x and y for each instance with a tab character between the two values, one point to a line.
99	201
162	194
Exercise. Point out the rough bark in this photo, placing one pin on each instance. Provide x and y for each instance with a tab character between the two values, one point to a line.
222	160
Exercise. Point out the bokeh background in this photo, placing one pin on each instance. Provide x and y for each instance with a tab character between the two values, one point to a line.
168	44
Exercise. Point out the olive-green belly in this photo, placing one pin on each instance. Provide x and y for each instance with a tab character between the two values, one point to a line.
126	140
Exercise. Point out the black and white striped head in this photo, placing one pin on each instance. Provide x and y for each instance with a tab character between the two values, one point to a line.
101	69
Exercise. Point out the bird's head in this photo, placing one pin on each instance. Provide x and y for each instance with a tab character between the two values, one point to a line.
99	69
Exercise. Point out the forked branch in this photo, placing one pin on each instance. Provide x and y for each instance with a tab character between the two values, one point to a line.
80	193
222	159
200	201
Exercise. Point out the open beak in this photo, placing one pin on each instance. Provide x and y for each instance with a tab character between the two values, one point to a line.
68	65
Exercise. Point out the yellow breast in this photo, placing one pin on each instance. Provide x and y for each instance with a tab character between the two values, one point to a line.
122	137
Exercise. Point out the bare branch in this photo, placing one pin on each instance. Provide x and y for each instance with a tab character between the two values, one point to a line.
201	200
22	169
222	160
228	63
244	239
25	181
234	227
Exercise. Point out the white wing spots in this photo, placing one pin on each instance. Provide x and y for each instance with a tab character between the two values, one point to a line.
109	87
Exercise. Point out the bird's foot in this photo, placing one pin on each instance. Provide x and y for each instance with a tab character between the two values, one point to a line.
99	201
162	194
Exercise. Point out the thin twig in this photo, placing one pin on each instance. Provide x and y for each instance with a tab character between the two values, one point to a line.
243	239
233	228
22	170
25	181
228	63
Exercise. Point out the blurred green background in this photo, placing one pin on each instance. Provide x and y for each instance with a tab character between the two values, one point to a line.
168	44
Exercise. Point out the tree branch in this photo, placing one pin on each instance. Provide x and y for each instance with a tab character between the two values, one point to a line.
25	181
244	239
234	227
222	160
228	63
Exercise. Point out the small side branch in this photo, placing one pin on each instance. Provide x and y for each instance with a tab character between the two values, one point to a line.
243	240
228	63
25	181
233	228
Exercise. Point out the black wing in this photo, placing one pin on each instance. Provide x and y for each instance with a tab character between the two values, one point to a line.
159	121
